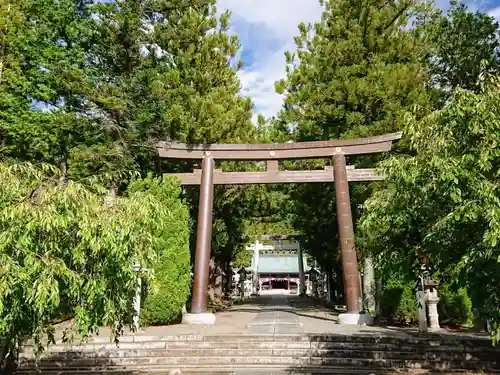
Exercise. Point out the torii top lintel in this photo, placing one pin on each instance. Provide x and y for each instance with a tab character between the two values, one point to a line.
297	150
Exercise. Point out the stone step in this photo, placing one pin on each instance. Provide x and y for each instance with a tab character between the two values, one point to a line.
277	352
226	370
178	362
367	353
295	344
282	352
415	339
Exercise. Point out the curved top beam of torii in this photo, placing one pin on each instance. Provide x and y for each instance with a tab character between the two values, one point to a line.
297	150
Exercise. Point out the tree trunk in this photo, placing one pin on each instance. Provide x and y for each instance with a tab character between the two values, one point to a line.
229	278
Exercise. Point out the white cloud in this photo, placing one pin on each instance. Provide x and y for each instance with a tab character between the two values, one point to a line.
280	16
495	12
267	29
276	20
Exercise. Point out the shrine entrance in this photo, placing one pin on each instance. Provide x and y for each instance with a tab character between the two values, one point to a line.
278	263
339	173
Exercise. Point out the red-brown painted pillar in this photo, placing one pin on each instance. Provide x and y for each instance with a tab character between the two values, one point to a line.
346	236
203	236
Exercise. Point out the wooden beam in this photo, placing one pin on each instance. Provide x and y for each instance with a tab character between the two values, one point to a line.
297	150
278	177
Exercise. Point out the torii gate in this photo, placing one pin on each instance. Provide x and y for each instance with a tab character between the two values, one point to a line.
340	174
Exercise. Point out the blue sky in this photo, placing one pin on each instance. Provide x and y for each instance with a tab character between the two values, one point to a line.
266	29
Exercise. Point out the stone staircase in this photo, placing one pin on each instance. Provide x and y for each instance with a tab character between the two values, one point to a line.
266	354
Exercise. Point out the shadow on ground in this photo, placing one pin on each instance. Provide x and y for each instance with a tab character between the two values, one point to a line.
298	305
386	354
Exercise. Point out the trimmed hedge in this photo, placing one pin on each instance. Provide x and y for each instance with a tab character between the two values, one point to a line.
455	307
170	289
399	305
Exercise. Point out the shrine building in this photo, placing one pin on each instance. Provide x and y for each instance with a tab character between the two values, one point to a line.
277	265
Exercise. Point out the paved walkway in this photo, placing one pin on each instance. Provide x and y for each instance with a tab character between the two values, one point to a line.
277	316
273	314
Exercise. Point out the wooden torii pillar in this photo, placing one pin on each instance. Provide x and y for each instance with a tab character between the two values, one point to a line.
340	174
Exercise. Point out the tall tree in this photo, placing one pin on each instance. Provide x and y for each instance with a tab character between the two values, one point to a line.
461	39
92	88
442	206
164	73
64	246
116	77
355	73
42	62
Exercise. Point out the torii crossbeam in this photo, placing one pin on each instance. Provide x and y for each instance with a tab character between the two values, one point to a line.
340	174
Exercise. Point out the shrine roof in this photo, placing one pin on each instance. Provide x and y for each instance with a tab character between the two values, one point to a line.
279	264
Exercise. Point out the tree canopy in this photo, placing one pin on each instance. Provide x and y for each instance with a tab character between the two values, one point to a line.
63	248
355	73
115	78
103	83
442	206
90	88
460	41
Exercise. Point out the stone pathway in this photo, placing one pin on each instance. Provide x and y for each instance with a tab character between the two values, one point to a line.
276	317
271	314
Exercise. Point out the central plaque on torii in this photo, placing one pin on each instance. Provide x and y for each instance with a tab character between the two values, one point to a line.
340	174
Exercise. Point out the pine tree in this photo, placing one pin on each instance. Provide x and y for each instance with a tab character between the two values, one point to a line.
356	73
164	74
93	88
173	80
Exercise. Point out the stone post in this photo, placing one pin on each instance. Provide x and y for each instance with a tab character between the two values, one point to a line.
326	282
137	304
422	314
302	277
432	302
378	288
255	274
369	287
138	294
229	278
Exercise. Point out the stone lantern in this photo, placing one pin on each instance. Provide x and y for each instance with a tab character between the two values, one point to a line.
432	299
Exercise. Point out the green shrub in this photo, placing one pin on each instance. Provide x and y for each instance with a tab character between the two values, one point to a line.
455	307
398	304
170	288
